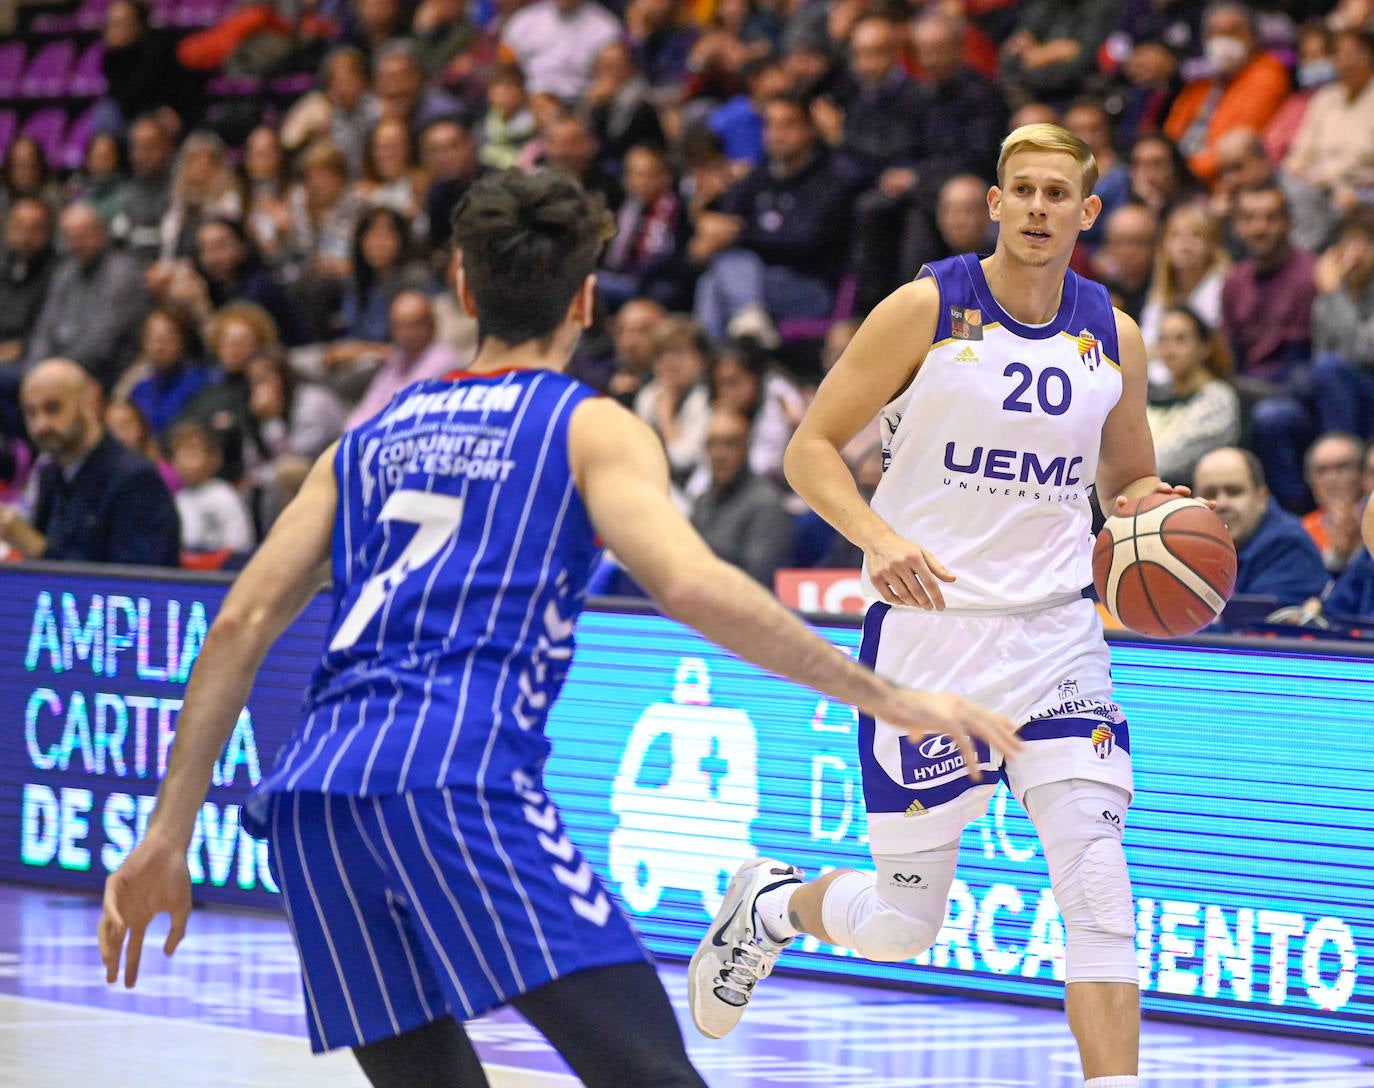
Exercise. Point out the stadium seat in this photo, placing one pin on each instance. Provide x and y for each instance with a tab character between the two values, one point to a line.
9	123
74	143
88	77
91	14
223	86
54	22
293	86
194	14
793	329
48	72
11	68
47	127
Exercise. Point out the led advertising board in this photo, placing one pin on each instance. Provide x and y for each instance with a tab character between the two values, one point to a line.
673	762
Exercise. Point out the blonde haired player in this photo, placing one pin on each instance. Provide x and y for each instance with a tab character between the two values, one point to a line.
1007	387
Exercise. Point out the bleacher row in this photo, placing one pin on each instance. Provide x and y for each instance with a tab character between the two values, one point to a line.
51	74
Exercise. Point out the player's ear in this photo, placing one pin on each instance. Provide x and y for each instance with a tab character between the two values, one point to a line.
1092	208
583	309
995	204
460	285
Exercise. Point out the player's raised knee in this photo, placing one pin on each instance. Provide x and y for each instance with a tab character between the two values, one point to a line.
891	937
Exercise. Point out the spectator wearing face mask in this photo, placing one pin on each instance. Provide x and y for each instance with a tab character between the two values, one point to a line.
1331	163
1247	89
1314	70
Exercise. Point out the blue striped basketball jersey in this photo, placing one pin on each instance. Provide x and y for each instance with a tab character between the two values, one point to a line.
461	557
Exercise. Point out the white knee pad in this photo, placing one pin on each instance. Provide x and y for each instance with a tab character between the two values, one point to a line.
1080	824
895	913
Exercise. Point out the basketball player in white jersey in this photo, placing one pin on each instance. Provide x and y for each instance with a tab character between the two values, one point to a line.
421	863
1006	388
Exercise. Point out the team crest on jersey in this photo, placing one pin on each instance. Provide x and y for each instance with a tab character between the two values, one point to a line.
965	324
1103	740
1089	350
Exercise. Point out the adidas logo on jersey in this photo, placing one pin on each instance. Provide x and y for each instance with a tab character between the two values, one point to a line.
915	809
968	355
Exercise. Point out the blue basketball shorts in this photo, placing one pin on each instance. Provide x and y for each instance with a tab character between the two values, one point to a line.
1047	669
412	906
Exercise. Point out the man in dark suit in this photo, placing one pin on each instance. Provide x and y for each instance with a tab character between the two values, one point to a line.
97	501
27	260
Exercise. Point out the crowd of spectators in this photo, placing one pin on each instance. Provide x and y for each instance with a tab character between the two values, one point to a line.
239	279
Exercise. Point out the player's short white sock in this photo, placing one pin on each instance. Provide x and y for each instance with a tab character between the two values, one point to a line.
771	909
1113	1082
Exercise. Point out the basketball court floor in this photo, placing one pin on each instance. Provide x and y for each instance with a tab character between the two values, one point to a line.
226	1013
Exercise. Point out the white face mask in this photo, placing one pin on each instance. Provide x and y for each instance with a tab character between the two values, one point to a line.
1315	73
1226	54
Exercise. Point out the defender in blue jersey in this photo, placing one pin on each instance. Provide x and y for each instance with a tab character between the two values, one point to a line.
425	871
1006	388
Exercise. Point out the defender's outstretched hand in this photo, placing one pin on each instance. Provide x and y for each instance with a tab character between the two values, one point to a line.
925	714
153	879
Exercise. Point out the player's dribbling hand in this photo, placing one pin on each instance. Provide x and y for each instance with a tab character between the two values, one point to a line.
154	879
1183	491
925	714
905	573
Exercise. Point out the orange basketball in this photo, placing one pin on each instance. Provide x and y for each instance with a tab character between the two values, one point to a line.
1166	567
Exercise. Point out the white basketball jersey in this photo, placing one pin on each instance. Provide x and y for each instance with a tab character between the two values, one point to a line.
989	453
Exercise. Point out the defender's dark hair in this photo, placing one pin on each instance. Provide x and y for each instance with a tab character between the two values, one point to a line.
529	241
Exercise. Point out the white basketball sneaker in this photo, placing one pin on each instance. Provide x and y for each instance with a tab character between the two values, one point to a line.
736	951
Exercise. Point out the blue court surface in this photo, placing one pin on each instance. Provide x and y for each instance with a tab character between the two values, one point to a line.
226	1012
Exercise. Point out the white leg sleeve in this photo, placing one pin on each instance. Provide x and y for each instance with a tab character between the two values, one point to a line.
1080	825
895	913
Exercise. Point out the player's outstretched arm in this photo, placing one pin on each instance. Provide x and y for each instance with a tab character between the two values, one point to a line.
879	363
623	478
277	583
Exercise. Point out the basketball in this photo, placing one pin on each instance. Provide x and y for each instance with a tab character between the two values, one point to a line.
1167	567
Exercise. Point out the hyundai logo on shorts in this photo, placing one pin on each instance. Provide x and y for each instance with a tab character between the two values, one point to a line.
940	747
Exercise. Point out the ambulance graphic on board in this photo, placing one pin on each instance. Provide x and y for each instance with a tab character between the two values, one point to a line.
686	794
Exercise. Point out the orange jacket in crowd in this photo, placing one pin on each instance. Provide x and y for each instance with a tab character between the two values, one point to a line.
1250	101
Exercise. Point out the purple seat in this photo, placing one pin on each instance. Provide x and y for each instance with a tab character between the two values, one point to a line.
293	86
46	128
791	330
11	68
73	151
50	22
193	14
48	72
8	124
91	14
223	86
88	77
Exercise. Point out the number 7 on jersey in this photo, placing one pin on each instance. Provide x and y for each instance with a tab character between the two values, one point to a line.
436	518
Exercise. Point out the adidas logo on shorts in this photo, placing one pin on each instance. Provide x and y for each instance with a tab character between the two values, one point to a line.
915	809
